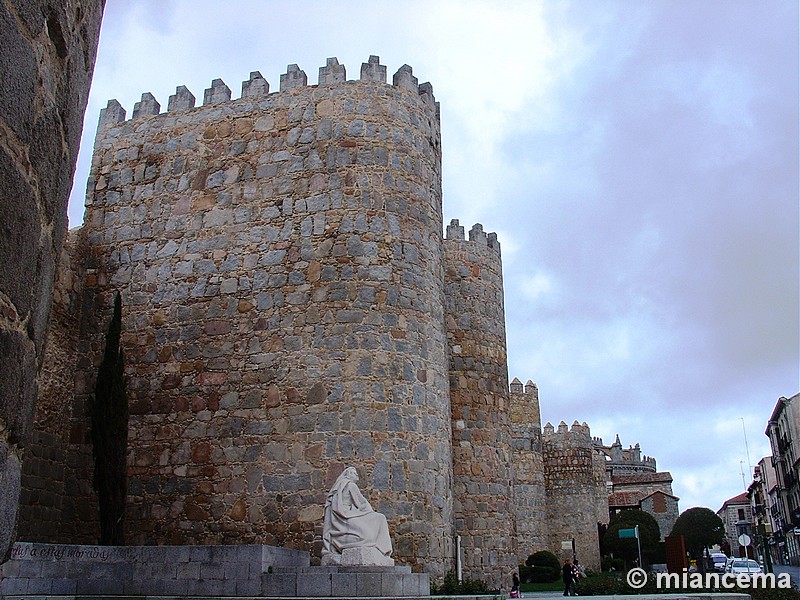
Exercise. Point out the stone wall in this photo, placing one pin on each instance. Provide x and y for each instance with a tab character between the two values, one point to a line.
574	487
664	509
529	496
280	263
57	502
47	61
480	404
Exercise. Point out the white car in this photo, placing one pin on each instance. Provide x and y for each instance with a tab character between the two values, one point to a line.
720	560
744	565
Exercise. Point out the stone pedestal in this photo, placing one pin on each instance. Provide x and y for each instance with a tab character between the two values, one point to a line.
186	571
358	557
345	582
142	571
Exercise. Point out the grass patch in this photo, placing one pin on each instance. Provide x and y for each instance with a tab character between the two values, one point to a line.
553	586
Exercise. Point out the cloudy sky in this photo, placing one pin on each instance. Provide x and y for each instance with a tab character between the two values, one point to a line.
638	161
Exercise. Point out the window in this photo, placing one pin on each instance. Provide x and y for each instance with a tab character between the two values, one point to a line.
741	514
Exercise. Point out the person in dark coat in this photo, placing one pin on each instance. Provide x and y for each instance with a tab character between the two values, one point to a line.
515	586
568	576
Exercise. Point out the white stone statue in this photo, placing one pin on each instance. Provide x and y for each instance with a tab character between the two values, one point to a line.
352	532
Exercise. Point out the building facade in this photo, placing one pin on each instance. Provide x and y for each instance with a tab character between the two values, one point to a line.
737	517
783	430
290	307
762	496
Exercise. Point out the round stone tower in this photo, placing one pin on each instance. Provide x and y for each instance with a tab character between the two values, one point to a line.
480	402
575	483
530	508
280	262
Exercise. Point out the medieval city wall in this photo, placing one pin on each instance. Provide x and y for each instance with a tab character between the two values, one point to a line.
476	335
290	308
280	263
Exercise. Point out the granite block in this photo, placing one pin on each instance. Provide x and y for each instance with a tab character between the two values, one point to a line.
212	570
188	570
63	586
248	587
279	584
314	584
368	584
39	586
10	587
391	584
344	585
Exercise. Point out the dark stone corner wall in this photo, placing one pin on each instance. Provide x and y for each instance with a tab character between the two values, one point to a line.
47	54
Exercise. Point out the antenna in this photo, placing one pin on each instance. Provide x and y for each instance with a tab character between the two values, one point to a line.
746	449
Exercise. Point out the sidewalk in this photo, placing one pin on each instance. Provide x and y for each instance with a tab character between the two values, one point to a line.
700	596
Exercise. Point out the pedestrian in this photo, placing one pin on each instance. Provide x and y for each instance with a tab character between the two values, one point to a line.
577	573
568	576
515	587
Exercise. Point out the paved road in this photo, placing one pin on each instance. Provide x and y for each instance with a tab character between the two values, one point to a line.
794	572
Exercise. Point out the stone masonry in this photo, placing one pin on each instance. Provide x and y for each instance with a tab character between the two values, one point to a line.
576	494
280	261
47	52
290	307
480	403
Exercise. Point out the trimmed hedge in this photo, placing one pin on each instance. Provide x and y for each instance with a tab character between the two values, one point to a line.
541	567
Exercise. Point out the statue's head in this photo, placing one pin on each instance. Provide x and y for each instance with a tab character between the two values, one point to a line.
351	473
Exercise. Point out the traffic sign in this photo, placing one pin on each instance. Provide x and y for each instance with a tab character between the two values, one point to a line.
744	540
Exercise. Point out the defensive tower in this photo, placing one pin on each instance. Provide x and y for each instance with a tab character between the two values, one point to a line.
529	495
577	501
476	336
280	260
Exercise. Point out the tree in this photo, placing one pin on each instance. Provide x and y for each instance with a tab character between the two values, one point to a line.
700	528
649	535
109	411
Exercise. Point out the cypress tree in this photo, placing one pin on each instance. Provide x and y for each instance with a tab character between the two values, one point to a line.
110	435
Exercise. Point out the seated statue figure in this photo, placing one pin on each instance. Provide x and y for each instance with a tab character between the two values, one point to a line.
350	522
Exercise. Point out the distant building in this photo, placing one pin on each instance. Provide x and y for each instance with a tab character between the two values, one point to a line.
783	430
763	497
633	482
737	516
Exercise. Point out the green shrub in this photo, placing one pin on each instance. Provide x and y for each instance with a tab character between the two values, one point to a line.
467	587
542	567
770	594
614	584
601	584
609	563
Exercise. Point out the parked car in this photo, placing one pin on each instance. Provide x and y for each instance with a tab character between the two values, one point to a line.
744	565
720	560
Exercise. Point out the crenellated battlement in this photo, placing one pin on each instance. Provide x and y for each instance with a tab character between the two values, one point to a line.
455	231
529	389
332	74
625	458
578	431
